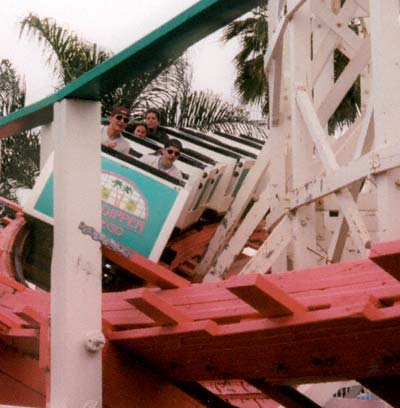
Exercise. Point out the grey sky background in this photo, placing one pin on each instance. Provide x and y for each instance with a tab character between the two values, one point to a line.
113	25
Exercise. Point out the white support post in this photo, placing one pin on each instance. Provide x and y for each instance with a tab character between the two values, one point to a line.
385	30
304	227
76	337
279	129
46	143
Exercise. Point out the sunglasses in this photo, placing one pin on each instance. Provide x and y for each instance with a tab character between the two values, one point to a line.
174	152
123	118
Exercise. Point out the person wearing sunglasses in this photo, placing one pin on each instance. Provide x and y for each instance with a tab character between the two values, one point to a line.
165	162
111	135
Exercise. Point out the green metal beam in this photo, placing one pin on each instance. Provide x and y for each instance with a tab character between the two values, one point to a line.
168	41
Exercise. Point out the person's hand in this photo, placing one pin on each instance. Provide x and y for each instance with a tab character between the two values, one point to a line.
112	144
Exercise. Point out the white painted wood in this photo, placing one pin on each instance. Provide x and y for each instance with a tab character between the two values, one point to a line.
271	249
385	30
323	83
345	81
303	224
364	4
279	129
276	39
76	267
364	145
233	215
358	230
275	181
274	74
46	144
240	237
331	40
339	25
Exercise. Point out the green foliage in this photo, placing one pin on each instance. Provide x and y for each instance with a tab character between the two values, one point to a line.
251	83
252	33
154	88
348	110
69	55
205	111
12	92
20	153
166	86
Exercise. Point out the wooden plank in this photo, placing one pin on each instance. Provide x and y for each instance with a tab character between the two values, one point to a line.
271	249
28	312
339	25
176	36
302	149
346	80
276	40
364	4
233	216
153	306
373	163
202	394
284	394
297	357
269	300
146	269
331	39
129	382
387	256
358	230
205	328
384	26
364	145
235	246
378	309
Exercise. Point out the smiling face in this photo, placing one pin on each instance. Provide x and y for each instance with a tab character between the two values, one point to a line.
152	121
117	123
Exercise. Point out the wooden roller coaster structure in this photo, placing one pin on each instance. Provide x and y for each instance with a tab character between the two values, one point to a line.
313	314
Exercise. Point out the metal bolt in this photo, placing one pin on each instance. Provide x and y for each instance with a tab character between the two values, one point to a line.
95	341
374	162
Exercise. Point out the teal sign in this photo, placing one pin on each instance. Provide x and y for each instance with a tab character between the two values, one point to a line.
134	206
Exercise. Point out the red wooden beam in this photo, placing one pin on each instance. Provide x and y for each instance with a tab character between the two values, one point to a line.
387	256
146	269
157	309
260	293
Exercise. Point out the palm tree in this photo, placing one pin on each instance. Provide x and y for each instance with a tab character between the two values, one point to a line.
20	153
166	86
70	57
251	83
201	110
252	33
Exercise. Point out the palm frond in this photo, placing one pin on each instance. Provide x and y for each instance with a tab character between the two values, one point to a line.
68	55
252	33
205	111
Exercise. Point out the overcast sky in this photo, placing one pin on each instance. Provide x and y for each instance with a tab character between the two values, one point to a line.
113	25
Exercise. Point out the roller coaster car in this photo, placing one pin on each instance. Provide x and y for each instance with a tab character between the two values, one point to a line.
142	207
